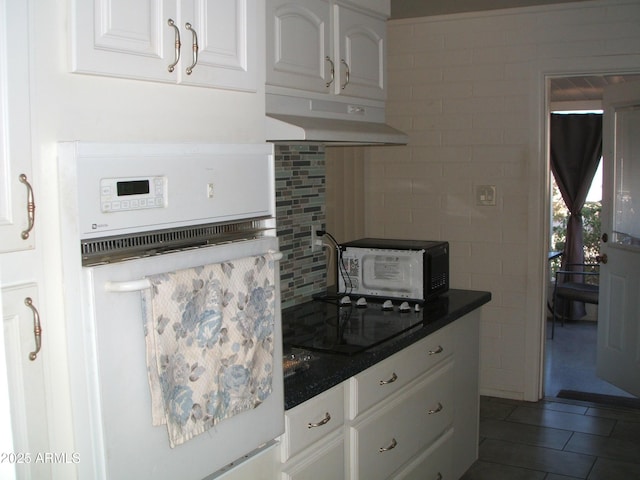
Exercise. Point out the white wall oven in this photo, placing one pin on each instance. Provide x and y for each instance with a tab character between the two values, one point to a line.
172	302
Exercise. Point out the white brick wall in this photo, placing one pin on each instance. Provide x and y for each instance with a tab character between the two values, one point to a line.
468	90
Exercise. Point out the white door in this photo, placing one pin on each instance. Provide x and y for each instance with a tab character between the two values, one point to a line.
360	54
298	48
618	359
15	142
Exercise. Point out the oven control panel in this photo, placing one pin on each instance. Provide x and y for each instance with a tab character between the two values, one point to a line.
122	194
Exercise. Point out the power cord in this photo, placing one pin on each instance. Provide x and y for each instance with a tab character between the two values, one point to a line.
342	269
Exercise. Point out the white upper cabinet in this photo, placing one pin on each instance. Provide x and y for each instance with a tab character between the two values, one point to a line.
362	47
17	206
327	47
298	46
208	43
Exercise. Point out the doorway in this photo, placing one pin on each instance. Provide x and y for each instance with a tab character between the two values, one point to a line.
570	358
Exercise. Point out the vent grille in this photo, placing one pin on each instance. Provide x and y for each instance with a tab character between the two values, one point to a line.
123	247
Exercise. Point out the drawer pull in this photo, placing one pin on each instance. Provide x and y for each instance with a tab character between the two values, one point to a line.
391	446
324	421
393	378
437	350
439	476
435	410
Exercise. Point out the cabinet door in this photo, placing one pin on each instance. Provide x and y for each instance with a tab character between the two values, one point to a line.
298	44
389	437
124	38
227	38
15	143
26	382
324	461
360	54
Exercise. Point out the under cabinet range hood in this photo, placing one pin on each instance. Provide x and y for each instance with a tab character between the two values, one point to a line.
291	119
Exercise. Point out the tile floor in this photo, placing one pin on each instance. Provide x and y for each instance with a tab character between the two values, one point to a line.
558	439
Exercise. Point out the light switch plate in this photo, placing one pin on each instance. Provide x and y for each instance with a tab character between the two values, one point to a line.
486	195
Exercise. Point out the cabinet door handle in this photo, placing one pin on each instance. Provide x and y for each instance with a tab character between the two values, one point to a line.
31	207
324	421
393	378
172	67
391	446
435	410
37	329
195	48
347	73
437	350
439	476
332	72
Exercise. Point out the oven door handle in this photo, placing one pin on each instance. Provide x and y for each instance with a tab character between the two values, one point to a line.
144	283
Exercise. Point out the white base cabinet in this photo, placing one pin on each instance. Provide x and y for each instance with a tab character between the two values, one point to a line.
414	415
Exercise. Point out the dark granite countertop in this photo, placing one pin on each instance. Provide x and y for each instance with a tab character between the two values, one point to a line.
326	370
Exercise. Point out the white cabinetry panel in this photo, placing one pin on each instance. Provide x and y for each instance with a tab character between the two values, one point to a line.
378	382
299	41
386	439
155	40
15	142
362	47
325	461
312	420
26	379
327	47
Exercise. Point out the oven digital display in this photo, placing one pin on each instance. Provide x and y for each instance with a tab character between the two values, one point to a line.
133	187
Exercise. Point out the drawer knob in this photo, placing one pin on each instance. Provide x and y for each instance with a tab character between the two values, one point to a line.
439	476
391	446
324	421
393	378
437	350
435	410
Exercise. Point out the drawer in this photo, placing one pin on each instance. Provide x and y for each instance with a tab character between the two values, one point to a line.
434	464
310	421
324	461
387	438
389	376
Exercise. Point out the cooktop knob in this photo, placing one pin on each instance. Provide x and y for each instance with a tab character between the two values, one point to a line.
416	307
361	303
404	307
387	305
345	300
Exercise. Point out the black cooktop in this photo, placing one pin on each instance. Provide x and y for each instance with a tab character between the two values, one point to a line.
325	326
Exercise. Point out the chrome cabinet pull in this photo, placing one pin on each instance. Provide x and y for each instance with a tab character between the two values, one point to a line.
37	329
393	378
172	67
436	351
195	48
332	72
435	410
324	421
31	207
347	73
391	446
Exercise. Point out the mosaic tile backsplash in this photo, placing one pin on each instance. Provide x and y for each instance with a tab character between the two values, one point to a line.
300	203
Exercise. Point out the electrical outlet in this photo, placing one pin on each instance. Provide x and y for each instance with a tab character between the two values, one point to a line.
316	241
486	195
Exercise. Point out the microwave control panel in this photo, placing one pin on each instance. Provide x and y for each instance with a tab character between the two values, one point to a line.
123	194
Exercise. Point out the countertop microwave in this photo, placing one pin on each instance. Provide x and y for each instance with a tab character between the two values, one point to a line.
415	270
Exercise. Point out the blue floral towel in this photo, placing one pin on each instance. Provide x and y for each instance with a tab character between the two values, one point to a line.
209	336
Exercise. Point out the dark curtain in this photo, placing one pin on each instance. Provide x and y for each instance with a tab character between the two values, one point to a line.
576	148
